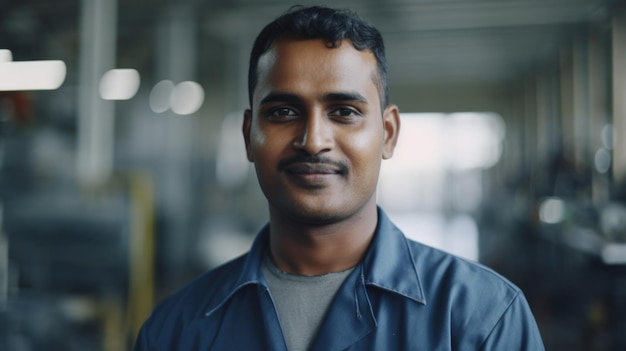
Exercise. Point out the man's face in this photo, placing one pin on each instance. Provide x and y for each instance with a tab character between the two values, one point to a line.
316	133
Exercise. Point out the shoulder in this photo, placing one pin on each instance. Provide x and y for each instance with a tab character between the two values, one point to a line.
442	270
475	299
484	309
193	299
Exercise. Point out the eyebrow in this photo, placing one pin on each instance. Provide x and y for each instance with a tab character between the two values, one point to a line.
280	97
345	96
335	96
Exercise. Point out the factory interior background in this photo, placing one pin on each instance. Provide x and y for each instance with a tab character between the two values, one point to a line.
123	173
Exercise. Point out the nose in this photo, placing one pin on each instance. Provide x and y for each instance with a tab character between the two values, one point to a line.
316	135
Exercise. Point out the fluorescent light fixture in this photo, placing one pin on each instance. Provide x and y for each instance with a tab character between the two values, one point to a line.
602	160
552	210
160	96
614	253
608	134
119	84
5	55
187	98
31	75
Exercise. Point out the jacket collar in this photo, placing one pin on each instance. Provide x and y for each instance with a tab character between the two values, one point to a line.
249	269
388	265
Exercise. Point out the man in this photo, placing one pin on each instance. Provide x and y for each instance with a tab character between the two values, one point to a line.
330	271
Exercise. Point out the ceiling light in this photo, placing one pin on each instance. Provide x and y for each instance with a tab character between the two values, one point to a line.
30	75
187	98
119	84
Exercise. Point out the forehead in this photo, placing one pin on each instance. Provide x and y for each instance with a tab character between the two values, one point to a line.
310	65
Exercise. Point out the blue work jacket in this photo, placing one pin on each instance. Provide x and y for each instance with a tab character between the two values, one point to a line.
402	296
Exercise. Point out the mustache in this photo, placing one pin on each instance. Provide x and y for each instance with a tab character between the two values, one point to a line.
313	159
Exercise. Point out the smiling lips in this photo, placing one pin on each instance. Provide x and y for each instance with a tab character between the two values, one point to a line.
312	168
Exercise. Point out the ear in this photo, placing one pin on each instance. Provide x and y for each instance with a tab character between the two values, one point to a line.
391	130
247	124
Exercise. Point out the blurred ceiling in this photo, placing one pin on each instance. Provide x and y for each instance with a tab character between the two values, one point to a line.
447	40
427	40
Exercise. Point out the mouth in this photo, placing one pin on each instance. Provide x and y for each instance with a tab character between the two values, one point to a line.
312	168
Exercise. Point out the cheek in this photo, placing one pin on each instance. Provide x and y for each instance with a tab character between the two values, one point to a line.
264	145
266	148
257	137
365	156
367	147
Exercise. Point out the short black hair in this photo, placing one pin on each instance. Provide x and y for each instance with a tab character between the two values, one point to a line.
331	25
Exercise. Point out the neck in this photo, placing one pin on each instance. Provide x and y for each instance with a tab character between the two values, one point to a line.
310	249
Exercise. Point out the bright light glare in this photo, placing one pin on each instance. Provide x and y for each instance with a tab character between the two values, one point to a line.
608	133
119	84
160	96
602	160
187	98
420	146
614	254
552	210
416	170
31	75
6	55
432	144
457	235
460	141
474	140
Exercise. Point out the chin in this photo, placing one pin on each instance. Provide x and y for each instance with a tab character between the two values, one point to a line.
318	214
323	209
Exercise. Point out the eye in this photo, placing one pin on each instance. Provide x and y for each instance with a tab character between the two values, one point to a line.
345	113
282	113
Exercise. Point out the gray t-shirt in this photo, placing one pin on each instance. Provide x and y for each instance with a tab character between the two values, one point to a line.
301	301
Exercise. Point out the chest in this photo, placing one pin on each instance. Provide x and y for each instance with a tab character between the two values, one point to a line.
355	321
